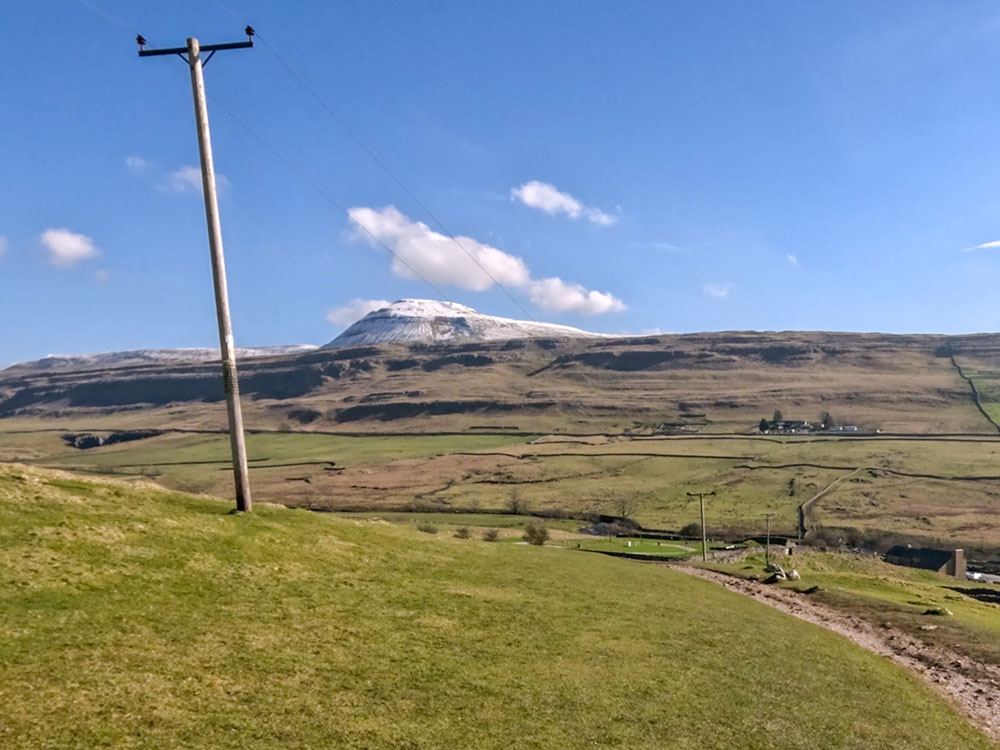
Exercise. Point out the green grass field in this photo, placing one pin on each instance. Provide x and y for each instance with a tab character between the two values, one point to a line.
132	617
939	490
650	547
451	521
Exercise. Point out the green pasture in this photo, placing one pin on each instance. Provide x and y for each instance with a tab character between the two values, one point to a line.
634	546
452	521
925	488
132	617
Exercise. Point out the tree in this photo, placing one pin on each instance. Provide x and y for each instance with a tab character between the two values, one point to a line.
517	504
625	506
778	417
764	425
536	533
692	529
826	422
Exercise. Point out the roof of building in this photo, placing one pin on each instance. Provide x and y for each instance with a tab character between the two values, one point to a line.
921	557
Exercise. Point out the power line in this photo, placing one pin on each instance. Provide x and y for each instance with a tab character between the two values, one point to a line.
315	185
376	158
301	171
304	174
106	16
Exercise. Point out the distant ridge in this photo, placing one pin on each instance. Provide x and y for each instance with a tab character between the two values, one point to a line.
424	321
134	357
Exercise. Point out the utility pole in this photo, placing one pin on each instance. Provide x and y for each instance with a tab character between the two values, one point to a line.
767	549
704	534
192	56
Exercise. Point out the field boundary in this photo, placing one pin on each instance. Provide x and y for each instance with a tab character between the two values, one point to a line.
805	506
975	392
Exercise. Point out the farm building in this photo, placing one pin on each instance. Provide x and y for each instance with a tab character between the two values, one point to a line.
786	426
950	563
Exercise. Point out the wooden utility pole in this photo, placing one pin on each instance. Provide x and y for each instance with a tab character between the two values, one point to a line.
767	549
704	534
192	56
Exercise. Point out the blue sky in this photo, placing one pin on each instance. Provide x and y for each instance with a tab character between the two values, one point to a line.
621	166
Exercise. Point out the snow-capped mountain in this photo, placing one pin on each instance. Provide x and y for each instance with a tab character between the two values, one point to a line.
152	357
424	321
408	321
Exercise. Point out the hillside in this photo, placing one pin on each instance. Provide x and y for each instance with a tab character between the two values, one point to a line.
132	357
134	617
456	427
715	382
423	321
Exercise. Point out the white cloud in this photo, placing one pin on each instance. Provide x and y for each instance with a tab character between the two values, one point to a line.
66	248
421	250
984	246
184	179
102	276
551	200
597	216
357	308
663	247
422	253
556	294
719	290
792	258
137	163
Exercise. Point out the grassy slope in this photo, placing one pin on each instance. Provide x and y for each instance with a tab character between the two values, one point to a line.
398	472
199	463
890	593
133	617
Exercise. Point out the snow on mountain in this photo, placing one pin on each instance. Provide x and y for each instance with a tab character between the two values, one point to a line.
423	321
152	357
408	321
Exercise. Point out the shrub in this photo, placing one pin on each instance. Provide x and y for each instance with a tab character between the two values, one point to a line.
691	529
490	535
427	528
517	504
536	533
462	532
822	536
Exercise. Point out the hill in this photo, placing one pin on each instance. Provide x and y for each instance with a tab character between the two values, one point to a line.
134	617
717	382
424	321
132	357
456	427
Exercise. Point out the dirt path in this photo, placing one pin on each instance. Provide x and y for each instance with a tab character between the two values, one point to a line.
972	687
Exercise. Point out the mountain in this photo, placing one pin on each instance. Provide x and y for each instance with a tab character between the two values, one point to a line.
424	321
710	382
135	357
